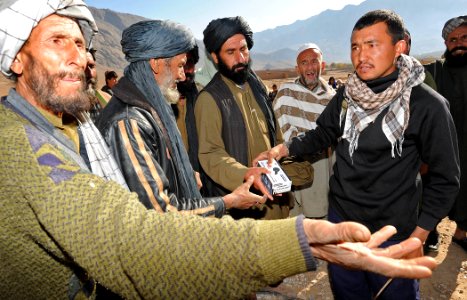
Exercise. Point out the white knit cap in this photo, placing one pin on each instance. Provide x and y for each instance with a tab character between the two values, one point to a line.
308	46
18	18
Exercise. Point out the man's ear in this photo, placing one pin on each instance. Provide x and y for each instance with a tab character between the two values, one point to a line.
155	65
323	66
17	64
214	58
401	46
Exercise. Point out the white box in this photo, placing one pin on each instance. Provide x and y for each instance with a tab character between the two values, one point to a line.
276	181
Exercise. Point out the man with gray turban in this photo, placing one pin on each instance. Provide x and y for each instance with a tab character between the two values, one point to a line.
64	229
140	128
234	118
450	75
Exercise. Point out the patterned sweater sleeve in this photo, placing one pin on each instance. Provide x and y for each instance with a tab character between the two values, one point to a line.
58	220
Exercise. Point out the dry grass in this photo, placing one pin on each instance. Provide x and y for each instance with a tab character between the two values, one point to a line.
270	77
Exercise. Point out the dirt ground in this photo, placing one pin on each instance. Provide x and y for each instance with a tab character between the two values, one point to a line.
279	76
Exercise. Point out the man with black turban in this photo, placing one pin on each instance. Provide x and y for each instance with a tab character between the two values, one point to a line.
185	108
140	128
234	118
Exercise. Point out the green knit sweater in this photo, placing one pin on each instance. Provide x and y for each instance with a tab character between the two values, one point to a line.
59	222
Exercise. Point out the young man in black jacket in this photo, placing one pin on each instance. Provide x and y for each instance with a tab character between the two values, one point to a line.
385	122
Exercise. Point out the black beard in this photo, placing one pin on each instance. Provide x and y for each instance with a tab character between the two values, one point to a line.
185	87
240	76
455	61
189	77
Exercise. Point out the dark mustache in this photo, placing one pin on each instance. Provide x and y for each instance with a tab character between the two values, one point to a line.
239	65
76	74
364	63
458	48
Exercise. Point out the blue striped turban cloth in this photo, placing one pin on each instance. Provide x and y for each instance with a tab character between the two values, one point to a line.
156	39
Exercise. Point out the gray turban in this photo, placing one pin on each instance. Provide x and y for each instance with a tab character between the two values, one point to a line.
453	24
156	39
18	18
220	30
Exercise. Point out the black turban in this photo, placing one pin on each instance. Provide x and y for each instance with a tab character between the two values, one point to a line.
156	39
220	30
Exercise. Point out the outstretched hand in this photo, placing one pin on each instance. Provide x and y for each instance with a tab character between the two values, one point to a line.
242	198
351	245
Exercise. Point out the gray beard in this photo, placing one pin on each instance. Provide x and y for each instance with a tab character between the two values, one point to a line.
171	95
44	84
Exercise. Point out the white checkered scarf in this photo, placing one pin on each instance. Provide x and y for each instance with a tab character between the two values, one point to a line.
19	17
102	162
364	105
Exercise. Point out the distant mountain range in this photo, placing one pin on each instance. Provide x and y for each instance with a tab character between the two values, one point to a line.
107	42
276	48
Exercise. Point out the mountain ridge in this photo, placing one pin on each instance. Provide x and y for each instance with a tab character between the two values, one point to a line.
424	19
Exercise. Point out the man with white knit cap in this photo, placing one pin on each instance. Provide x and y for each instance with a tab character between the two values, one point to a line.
297	106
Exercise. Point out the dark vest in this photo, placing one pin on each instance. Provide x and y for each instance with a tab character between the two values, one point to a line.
233	125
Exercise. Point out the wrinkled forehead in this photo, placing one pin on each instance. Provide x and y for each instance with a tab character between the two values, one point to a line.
236	41
55	26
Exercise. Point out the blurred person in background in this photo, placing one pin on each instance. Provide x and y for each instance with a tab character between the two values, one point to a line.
272	94
111	79
99	97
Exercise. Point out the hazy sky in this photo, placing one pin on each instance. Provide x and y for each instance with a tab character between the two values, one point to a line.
260	14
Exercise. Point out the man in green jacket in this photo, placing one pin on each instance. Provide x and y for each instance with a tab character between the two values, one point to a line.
63	229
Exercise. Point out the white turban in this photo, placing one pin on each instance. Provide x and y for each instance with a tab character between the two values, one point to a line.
18	18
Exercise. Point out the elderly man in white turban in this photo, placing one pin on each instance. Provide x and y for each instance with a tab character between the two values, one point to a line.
96	154
64	229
